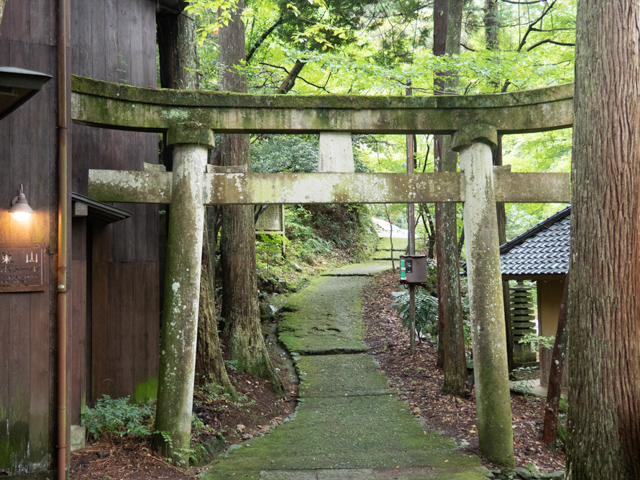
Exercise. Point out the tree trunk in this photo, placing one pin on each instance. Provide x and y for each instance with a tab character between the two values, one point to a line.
491	24
604	286
550	430
451	354
290	80
2	4
178	69
240	290
177	51
491	31
210	366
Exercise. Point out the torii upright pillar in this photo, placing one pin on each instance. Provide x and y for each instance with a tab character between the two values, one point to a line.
182	291
486	307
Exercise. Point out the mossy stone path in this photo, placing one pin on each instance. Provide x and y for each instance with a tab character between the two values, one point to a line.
349	425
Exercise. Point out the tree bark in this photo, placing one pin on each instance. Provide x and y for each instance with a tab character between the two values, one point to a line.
451	354
2	4
604	286
289	82
240	290
491	24
491	31
177	51
554	390
210	366
178	69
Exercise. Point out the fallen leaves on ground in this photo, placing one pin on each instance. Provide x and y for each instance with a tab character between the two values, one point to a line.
420	383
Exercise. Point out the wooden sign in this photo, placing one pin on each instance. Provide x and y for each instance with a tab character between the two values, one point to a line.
23	267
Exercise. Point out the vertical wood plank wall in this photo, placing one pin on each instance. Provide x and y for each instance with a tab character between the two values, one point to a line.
114	40
28	155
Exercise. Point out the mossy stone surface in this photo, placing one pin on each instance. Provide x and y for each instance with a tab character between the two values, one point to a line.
349	425
348	432
340	376
325	317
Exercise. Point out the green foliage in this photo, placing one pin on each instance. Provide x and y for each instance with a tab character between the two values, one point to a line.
212	14
320	25
118	417
216	398
232	365
561	439
536	341
318	238
426	312
285	153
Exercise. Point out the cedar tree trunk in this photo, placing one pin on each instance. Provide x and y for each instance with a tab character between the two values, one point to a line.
451	354
240	291
554	390
604	285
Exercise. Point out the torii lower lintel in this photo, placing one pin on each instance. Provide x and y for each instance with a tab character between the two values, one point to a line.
309	188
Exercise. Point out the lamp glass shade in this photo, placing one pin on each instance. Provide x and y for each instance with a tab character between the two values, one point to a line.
20	208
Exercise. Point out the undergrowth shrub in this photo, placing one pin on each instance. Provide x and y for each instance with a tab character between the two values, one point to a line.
118	417
426	312
318	238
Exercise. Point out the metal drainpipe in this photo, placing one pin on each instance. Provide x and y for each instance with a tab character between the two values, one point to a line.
63	193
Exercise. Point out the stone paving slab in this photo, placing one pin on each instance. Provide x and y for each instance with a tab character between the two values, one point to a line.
398	244
369	269
369	474
347	433
325	317
339	376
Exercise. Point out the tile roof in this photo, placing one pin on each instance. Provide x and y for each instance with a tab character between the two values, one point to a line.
541	250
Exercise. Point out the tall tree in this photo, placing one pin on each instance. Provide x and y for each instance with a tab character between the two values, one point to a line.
604	285
447	31
178	57
554	388
240	289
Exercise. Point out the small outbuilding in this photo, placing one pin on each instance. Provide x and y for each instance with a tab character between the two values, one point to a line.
541	255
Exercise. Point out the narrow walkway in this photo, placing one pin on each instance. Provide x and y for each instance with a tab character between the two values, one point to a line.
349	425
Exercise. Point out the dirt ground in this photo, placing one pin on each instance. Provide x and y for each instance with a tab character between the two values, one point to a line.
420	383
226	422
416	377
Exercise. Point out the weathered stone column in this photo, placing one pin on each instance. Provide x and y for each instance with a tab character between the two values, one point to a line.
495	432
182	292
336	152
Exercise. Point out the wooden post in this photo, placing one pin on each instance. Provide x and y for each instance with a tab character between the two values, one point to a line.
493	402
182	293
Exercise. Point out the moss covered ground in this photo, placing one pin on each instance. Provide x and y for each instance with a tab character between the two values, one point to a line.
349	423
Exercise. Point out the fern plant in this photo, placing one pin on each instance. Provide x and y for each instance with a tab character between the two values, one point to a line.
426	312
118	417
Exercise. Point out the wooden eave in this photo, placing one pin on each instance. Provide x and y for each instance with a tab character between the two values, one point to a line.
100	212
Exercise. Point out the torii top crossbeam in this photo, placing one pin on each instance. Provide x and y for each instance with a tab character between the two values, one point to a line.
111	105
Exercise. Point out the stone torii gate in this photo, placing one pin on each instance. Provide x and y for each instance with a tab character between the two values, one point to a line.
189	119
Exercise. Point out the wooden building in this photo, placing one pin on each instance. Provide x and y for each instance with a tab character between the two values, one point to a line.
106	297
541	254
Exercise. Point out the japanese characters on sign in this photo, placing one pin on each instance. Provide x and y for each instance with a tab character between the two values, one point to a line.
23	267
